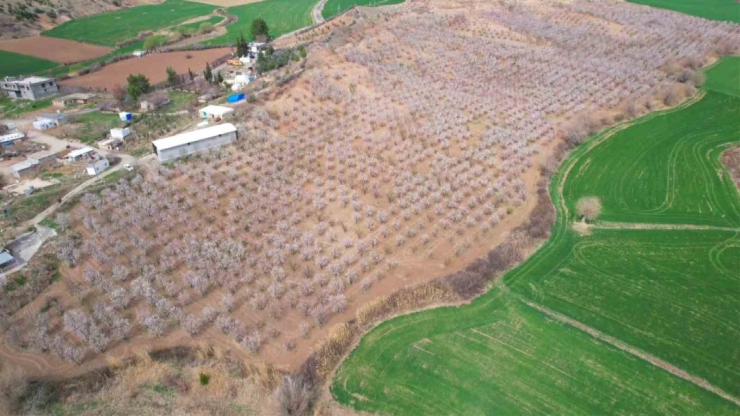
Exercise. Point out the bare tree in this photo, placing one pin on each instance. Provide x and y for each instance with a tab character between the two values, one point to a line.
589	208
295	395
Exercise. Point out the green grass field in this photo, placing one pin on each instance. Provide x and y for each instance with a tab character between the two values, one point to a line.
664	175
725	77
672	293
94	126
724	10
334	7
282	16
10	108
114	27
19	64
213	20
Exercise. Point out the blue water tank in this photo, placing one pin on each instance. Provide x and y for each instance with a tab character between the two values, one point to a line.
235	98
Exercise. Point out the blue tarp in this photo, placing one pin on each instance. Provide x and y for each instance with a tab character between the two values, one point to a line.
237	97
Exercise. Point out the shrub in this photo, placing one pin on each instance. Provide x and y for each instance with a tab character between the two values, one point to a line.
588	208
204	379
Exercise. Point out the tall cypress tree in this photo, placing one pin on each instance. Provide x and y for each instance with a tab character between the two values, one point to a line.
207	73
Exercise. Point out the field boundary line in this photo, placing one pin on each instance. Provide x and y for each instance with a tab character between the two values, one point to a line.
645	226
634	351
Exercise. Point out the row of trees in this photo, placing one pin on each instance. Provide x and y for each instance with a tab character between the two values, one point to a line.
354	176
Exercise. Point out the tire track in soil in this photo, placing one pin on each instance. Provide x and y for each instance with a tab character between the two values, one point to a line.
636	352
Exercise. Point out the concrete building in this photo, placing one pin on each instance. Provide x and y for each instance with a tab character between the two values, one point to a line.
98	166
184	144
71	99
216	112
33	164
25	169
44	158
79	154
31	88
120	133
49	121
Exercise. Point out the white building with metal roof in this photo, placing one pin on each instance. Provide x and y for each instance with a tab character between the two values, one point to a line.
78	154
190	142
216	111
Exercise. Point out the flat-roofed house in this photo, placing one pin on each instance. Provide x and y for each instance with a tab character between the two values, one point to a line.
30	88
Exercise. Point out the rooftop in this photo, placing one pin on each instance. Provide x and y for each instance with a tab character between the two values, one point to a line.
51	116
10	137
28	163
193	136
76	96
41	155
5	258
216	109
32	80
80	152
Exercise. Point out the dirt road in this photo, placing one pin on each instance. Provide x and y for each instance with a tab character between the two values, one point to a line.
316	13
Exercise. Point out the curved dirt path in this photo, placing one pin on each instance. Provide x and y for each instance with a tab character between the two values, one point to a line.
316	12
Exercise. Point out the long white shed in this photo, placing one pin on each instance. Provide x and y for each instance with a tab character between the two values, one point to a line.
190	142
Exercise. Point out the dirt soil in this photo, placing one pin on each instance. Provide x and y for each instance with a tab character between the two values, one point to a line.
153	66
53	49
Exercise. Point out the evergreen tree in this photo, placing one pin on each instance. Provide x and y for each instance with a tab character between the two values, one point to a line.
171	77
259	28
207	73
137	86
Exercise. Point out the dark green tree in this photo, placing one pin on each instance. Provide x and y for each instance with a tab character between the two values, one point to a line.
207	73
242	47
191	74
138	85
171	77
259	28
219	78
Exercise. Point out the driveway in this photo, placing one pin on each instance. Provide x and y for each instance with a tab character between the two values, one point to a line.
25	246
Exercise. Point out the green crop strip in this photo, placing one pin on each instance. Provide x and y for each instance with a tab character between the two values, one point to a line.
661	273
724	10
112	28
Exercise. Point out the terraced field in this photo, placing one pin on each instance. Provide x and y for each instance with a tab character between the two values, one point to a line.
725	10
111	28
282	16
640	315
725	78
334	7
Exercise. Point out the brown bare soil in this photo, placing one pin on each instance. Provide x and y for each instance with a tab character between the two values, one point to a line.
153	66
54	49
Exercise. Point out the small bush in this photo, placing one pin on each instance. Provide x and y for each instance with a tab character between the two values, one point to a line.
204	379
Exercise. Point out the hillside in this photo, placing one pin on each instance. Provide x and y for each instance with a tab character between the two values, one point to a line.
406	158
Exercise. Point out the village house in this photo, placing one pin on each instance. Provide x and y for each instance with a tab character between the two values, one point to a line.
30	88
71	99
216	112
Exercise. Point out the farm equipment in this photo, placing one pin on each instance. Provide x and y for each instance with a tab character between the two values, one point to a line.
234	62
